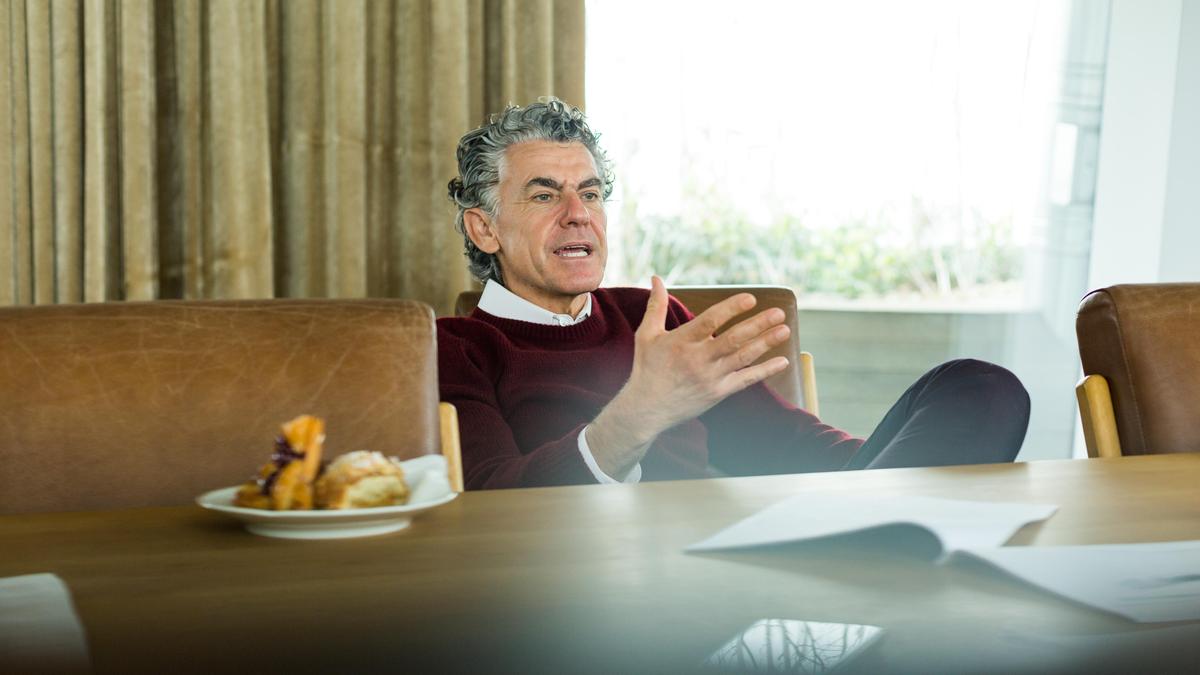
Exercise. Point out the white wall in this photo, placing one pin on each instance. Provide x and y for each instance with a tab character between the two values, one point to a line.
1146	225
1180	258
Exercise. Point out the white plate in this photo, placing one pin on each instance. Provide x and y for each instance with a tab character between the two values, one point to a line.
426	477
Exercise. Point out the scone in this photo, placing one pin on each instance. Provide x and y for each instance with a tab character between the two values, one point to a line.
286	482
361	479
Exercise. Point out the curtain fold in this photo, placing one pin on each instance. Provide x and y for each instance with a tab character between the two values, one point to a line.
41	148
7	274
254	148
101	154
137	135
67	130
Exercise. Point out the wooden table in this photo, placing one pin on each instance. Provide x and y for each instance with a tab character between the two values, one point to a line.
592	579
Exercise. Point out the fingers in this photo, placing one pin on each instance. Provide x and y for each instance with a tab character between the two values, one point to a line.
655	319
740	379
748	352
710	320
744	331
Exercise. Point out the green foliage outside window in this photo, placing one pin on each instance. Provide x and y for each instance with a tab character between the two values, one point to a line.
868	256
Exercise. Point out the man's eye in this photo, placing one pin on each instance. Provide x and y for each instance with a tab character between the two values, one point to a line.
541	197
591	196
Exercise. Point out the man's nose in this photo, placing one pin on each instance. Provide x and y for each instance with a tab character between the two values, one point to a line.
575	212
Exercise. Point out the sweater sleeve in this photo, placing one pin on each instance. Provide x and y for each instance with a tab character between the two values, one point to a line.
491	456
756	432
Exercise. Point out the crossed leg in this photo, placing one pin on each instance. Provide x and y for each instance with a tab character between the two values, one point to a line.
961	412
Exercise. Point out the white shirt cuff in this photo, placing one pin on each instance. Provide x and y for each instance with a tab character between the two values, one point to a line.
635	474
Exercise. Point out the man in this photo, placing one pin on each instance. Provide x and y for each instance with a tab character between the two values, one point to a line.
558	381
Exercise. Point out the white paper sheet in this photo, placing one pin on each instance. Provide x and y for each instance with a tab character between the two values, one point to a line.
1142	582
39	630
956	523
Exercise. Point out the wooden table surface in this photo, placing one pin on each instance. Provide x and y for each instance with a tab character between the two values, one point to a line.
593	579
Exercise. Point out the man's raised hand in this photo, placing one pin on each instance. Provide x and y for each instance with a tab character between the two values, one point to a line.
679	374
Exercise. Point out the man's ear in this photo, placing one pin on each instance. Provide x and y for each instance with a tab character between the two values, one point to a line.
481	230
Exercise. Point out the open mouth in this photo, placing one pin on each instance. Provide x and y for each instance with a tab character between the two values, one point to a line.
574	251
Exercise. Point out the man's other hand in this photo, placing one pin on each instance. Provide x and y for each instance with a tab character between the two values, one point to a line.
678	374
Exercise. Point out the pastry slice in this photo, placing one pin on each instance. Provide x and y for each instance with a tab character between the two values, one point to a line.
361	479
286	482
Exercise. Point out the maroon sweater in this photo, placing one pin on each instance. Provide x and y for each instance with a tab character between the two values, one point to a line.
524	391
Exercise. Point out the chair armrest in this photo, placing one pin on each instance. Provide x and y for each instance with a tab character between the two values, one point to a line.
808	383
451	445
1096	413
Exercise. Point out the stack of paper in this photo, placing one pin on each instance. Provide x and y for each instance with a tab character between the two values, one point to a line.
1142	582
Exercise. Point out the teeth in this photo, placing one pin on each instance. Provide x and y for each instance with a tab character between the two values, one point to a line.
572	252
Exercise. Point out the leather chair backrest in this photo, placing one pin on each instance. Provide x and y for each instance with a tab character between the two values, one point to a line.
1145	340
699	298
139	404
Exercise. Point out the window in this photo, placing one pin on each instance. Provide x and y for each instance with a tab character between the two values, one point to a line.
920	173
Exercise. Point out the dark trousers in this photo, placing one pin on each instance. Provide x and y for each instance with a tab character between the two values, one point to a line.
961	412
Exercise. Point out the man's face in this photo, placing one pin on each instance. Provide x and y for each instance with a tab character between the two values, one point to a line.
549	229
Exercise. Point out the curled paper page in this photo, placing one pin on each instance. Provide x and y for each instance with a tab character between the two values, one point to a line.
955	523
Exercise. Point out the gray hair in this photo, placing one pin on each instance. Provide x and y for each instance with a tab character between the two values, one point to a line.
481	156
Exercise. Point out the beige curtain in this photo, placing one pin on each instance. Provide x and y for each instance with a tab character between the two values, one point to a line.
254	148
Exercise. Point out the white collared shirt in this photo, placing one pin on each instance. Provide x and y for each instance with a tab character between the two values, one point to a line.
499	301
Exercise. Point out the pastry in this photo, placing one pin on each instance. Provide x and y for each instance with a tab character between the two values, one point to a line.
361	479
286	482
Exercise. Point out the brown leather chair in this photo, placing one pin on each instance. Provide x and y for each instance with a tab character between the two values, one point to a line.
797	384
1140	348
140	404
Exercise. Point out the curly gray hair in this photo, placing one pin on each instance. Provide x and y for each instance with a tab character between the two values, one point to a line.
481	157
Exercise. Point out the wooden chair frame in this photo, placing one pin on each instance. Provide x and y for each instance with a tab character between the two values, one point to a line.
451	444
1096	414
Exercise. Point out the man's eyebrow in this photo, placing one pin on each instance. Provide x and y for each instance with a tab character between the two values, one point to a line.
544	182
